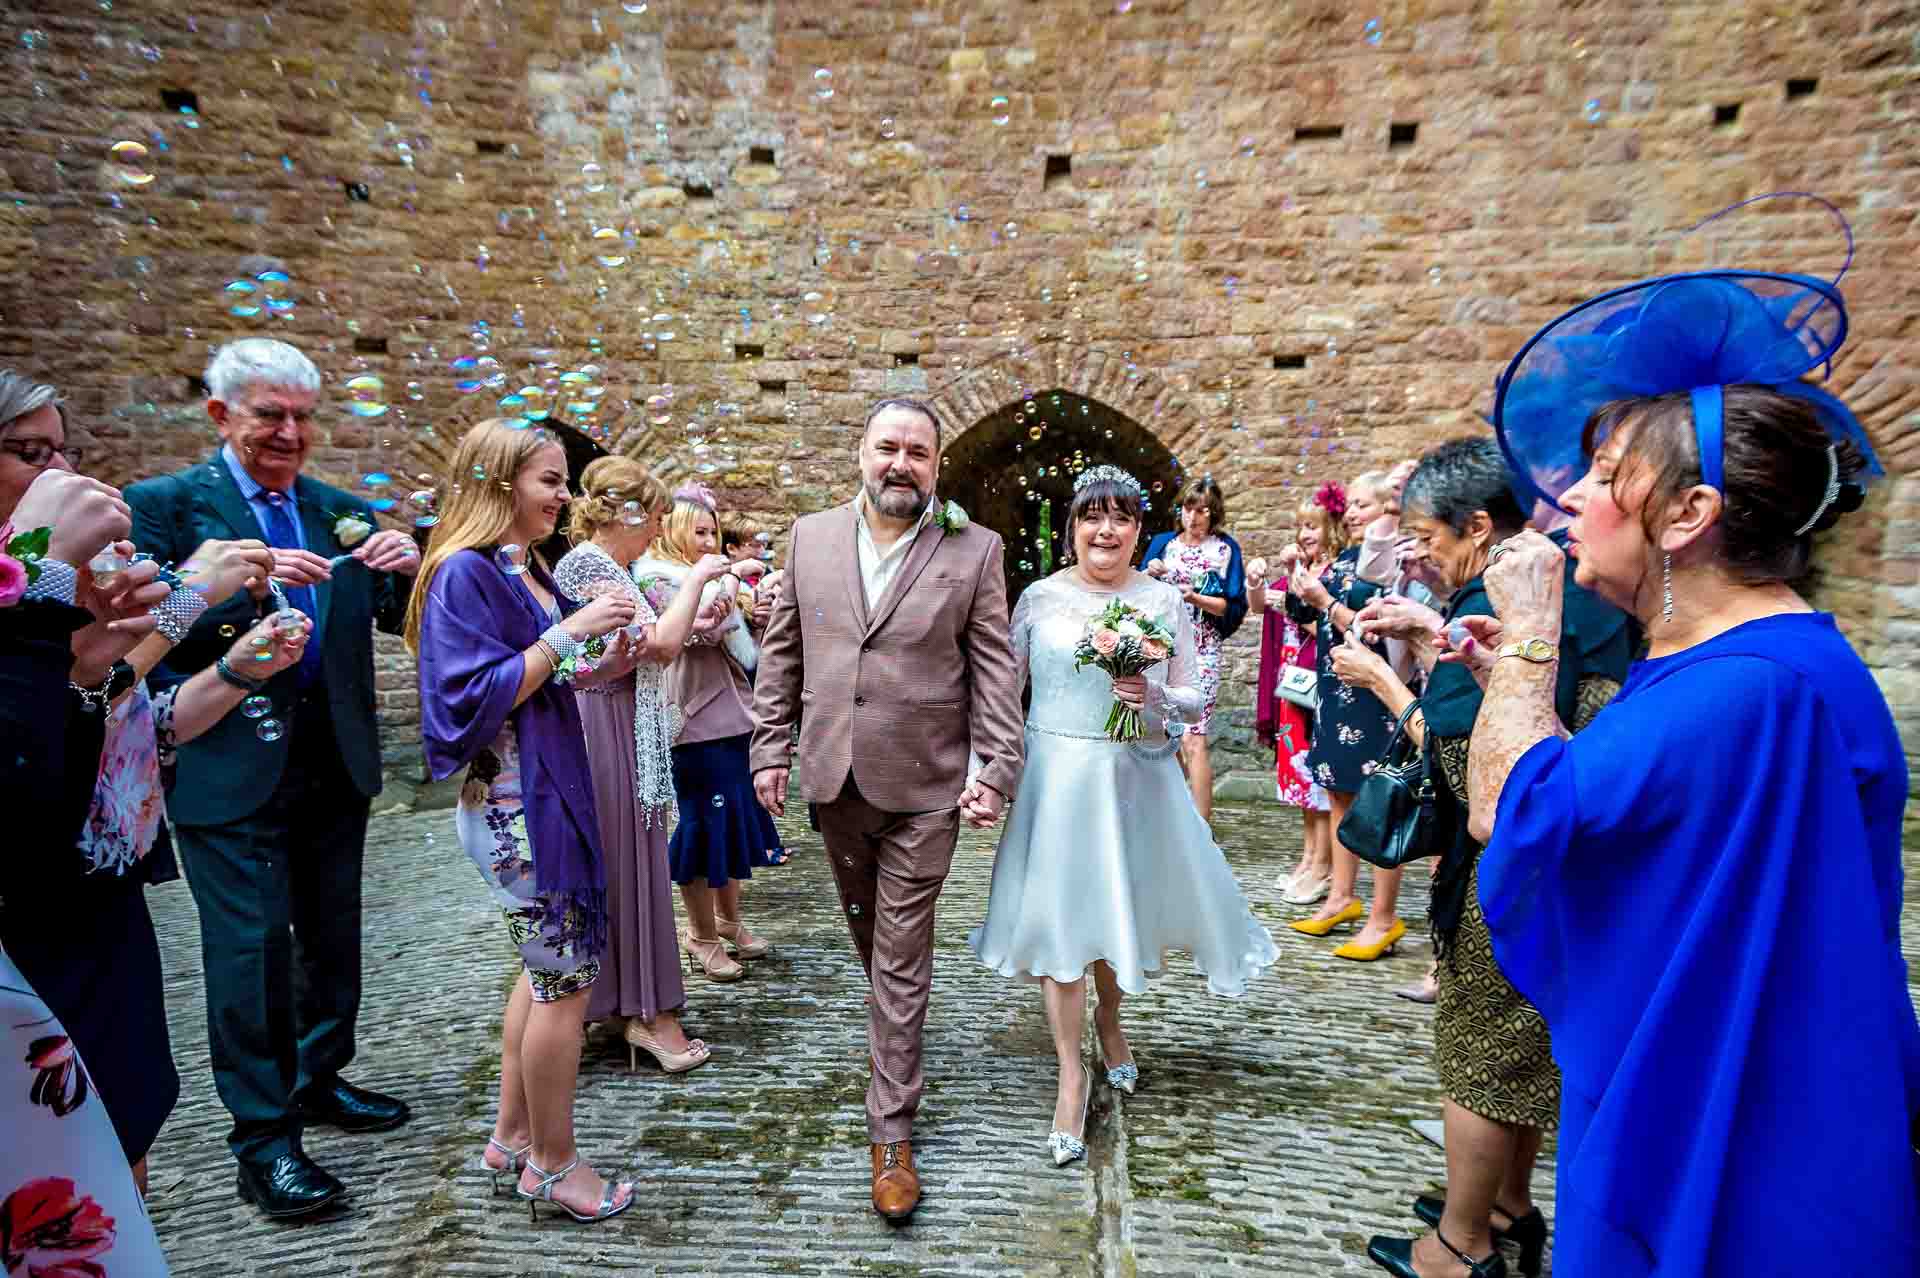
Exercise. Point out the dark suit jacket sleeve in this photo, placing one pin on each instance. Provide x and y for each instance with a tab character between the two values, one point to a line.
781	673
993	711
51	746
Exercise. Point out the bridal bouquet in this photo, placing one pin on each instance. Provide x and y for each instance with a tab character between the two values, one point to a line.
1123	641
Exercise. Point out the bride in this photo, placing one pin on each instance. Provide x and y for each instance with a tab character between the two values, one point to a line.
1106	862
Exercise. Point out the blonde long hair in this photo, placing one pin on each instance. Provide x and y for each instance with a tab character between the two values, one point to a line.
479	507
675	543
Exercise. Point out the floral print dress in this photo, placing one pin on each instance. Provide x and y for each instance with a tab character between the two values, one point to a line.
492	824
1293	736
1201	568
1352	726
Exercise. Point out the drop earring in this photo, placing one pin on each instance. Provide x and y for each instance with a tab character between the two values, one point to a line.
1666	603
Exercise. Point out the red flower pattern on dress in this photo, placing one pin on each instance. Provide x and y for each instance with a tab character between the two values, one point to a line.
61	1081
48	1229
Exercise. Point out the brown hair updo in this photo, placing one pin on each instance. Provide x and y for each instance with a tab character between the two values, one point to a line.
606	486
1776	467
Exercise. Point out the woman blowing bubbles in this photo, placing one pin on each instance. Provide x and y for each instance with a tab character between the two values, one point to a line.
1701	892
491	636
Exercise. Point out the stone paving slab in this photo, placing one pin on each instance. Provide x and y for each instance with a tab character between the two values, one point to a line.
1270	1134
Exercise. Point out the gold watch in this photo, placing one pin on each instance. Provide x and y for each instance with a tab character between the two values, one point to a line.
1538	651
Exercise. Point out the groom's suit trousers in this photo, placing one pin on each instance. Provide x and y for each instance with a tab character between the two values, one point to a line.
890	867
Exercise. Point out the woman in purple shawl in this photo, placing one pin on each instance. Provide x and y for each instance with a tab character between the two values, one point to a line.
495	648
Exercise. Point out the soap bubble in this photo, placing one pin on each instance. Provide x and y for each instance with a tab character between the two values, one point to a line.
594	176
426	507
130	162
786	475
241	293
719	801
823	84
999	109
886	126
1595	113
633	514
270	730
513	560
257	706
227	632
607	248
377	480
367	396
1373	32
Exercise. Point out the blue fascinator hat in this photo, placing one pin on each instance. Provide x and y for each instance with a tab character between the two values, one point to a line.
1697	332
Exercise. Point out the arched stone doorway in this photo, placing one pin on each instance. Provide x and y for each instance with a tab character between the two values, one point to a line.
580	451
1013	471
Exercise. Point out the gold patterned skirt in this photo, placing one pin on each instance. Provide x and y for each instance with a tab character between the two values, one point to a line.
1491	1047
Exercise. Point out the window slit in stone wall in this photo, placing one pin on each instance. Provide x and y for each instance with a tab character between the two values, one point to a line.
370	346
748	350
1289	361
485	147
760	155
778	387
1318	132
697	191
1725	114
1059	167
905	361
196	386
1801	88
357	191
1400	135
178	100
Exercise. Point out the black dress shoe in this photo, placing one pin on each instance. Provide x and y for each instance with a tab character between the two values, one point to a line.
1395	1255
1528	1232
290	1185
352	1109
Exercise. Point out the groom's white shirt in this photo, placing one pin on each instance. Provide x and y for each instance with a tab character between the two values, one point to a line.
879	567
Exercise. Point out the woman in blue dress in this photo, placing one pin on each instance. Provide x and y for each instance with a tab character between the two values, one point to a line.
1701	892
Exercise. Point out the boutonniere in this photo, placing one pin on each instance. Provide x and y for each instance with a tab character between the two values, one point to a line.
350	528
951	518
20	562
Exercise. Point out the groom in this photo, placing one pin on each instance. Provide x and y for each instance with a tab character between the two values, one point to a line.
889	647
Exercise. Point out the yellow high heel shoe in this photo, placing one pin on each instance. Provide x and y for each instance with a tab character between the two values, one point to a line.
1368	953
1320	927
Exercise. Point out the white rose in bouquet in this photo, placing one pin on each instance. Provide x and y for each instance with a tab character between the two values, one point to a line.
351	530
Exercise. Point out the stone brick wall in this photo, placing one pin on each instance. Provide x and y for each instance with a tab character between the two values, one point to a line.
1289	242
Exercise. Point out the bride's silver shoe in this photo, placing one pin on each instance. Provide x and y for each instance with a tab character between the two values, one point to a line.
1124	1077
1066	1148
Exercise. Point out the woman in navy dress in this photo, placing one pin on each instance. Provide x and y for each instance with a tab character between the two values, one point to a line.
1701	892
1351	730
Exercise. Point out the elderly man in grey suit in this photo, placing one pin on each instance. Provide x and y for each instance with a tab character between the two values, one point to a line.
889	647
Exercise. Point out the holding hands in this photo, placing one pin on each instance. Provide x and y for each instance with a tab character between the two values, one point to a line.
980	805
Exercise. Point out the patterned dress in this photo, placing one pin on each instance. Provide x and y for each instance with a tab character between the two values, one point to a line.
492	824
1201	568
1293	730
1352	727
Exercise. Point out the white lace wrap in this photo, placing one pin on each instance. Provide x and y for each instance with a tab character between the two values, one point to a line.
587	572
733	634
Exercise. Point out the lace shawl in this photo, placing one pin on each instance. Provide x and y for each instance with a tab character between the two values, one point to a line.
585	573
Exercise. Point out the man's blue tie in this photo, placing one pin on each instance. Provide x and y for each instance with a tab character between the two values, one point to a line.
280	532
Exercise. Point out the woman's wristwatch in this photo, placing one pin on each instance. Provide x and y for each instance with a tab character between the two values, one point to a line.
1537	651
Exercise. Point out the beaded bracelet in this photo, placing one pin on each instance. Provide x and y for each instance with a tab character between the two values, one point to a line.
175	615
234	677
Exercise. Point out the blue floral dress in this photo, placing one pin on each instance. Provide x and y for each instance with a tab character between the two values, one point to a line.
1352	726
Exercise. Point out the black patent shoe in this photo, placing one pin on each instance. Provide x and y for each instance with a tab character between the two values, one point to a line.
1528	1232
1395	1255
290	1185
351	1109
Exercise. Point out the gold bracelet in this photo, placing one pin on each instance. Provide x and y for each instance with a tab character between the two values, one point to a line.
546	650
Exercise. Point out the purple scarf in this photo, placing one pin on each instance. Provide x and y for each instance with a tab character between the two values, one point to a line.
476	624
1273	643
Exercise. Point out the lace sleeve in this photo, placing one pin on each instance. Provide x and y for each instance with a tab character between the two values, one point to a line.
1176	696
587	572
1020	632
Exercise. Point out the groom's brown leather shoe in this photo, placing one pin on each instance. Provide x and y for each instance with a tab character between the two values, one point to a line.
896	1185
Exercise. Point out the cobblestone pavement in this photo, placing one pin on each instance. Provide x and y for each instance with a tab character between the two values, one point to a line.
1270	1135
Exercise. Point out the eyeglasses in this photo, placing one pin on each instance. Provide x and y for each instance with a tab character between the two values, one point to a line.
38	452
274	416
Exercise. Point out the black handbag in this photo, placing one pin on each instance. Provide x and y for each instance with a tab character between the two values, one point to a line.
1391	821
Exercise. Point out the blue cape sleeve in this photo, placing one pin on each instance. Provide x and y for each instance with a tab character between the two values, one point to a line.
1691	893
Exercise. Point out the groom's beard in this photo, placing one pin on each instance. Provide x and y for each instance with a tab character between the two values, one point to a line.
898	503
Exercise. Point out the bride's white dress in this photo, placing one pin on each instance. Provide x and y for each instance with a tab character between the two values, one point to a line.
1105	856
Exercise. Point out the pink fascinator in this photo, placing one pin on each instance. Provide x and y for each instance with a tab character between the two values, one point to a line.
1332	498
697	493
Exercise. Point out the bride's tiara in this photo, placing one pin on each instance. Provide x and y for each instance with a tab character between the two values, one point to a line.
1108	475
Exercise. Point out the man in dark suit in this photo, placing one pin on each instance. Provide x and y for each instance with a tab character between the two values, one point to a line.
271	824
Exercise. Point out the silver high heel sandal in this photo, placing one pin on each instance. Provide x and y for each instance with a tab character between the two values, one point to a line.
1064	1147
543	1192
516	1159
1124	1077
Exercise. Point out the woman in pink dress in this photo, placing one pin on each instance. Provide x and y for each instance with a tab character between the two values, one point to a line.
1317	538
629	740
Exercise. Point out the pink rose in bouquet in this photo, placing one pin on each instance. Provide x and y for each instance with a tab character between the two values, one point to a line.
13	581
1123	641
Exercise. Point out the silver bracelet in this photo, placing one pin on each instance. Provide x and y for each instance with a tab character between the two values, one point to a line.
58	582
175	615
563	644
